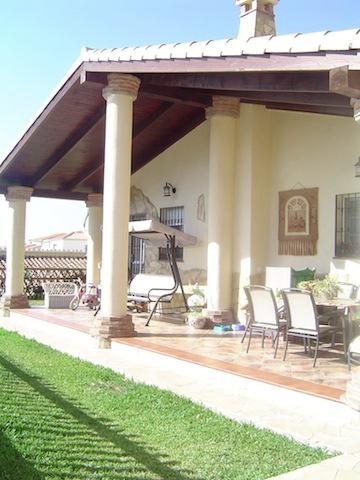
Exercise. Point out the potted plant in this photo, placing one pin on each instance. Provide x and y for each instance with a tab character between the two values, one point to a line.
196	318
323	289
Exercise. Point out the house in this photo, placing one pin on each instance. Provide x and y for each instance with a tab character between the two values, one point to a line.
70	241
252	140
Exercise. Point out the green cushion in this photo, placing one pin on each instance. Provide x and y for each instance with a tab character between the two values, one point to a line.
304	275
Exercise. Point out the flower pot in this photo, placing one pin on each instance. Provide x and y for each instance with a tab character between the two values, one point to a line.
196	322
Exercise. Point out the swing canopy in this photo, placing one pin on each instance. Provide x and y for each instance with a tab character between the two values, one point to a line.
158	233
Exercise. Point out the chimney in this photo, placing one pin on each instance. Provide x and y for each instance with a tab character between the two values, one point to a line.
257	18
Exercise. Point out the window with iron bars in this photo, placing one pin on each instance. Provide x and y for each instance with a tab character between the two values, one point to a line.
347	231
136	250
174	217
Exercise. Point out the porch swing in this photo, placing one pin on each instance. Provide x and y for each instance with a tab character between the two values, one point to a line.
145	289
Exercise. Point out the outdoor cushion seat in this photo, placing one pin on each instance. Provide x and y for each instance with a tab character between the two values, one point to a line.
146	288
267	326
141	299
323	329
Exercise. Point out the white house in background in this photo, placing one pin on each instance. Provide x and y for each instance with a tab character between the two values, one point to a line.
61	242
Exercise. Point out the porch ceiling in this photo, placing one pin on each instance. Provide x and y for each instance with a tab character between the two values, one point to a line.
61	154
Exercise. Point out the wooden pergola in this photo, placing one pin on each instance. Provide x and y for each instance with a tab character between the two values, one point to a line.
61	155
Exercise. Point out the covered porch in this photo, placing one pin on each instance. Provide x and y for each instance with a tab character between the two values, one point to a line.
261	117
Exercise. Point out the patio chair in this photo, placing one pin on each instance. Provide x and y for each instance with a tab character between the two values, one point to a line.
348	291
303	320
264	314
353	353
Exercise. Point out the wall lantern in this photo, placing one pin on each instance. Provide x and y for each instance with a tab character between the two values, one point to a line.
357	168
168	188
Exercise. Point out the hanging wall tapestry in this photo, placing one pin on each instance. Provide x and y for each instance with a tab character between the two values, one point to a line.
298	222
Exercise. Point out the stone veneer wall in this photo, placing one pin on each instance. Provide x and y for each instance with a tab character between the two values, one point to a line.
141	205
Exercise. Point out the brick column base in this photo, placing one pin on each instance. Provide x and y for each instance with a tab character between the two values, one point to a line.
220	316
352	396
106	328
13	302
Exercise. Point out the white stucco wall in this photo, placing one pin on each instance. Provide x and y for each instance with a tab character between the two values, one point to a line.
74	245
314	151
185	166
65	245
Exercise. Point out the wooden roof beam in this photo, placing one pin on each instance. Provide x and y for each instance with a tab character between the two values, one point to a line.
321	99
306	82
192	99
324	110
59	194
58	97
150	120
65	148
345	82
82	177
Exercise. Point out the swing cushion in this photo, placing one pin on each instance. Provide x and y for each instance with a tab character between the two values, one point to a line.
145	288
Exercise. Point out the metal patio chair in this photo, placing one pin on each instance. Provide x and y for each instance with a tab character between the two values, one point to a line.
348	291
303	320
264	314
353	353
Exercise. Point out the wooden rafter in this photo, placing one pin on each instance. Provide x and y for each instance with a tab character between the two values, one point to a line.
320	99
244	81
83	176
183	96
324	110
73	80
60	194
151	119
66	146
345	82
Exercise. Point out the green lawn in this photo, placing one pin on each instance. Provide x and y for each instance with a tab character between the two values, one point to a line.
36	303
62	418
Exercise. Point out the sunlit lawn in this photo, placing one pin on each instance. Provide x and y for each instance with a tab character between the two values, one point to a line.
62	418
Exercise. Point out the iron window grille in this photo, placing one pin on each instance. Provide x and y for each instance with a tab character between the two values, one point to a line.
347	230
136	250
174	217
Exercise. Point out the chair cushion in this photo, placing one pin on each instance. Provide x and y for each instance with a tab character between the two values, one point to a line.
323	329
266	325
298	276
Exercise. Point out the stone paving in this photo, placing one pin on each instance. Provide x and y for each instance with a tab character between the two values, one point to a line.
331	369
313	420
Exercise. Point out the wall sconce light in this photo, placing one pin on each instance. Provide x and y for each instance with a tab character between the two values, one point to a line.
357	168
168	188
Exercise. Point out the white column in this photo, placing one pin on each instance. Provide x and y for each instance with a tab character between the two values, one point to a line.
15	247
95	211
114	320
223	121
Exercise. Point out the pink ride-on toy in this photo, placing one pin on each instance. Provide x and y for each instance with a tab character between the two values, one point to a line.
87	295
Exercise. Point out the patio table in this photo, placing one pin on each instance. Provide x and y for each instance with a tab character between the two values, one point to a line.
350	317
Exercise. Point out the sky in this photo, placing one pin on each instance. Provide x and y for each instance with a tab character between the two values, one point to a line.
41	39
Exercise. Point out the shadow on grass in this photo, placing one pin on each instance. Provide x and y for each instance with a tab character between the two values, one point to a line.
13	466
66	441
